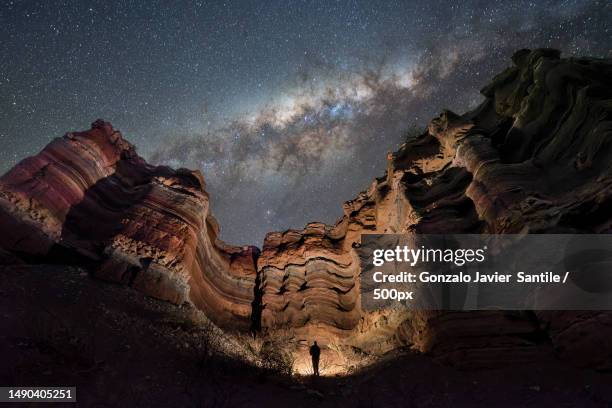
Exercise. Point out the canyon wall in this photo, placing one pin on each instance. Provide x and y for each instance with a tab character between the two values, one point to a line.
534	157
89	198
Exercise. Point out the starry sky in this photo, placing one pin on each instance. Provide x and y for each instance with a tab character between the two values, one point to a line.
287	107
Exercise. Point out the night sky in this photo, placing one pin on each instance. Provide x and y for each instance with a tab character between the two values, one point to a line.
288	107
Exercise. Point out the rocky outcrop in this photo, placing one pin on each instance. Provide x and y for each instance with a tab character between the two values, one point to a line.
88	197
534	157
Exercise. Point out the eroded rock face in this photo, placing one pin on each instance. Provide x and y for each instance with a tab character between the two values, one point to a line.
307	278
534	157
89	196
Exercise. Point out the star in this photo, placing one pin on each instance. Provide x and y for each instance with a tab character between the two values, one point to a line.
288	108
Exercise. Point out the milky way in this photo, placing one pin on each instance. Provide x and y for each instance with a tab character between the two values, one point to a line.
288	108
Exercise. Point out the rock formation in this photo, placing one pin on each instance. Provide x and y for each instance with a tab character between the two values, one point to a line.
89	197
534	157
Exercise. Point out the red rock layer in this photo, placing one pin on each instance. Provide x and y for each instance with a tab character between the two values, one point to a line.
89	195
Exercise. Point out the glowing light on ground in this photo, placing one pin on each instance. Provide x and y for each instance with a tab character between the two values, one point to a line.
332	363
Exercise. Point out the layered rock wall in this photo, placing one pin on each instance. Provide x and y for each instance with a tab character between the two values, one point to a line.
89	197
534	157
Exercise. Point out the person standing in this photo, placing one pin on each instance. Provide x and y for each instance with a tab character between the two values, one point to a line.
315	353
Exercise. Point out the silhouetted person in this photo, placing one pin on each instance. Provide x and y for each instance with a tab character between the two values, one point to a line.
315	353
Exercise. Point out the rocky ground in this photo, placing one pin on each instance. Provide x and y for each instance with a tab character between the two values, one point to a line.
58	326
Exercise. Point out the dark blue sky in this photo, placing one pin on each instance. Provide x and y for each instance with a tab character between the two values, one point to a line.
287	106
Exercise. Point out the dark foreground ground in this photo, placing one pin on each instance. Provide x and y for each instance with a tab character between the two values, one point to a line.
120	348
